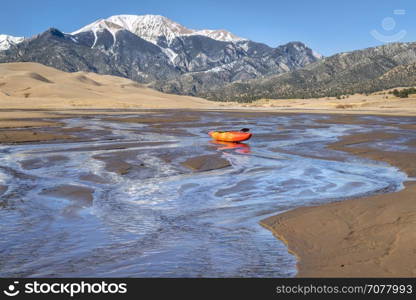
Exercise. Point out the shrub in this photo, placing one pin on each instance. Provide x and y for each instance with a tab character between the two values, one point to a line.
404	93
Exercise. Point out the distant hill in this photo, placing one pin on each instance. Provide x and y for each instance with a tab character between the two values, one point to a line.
361	71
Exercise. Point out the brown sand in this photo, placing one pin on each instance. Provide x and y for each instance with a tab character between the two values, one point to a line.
22	136
118	163
25	124
404	160
37	87
79	197
376	103
365	237
153	120
3	189
36	163
206	162
83	195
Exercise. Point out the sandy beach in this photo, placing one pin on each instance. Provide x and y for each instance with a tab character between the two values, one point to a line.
365	237
370	236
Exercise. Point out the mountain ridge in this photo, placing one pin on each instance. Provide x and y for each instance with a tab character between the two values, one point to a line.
180	60
151	27
360	71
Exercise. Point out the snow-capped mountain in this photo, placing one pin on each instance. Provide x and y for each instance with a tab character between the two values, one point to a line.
152	28
6	41
219	35
155	50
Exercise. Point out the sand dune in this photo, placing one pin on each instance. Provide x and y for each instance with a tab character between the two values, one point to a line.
32	85
35	86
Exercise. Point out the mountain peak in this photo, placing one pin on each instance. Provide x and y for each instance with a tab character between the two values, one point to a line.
100	25
152	27
299	46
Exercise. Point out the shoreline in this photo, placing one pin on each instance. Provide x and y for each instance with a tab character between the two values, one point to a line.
369	236
61	111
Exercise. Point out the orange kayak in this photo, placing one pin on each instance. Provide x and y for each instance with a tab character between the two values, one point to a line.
230	136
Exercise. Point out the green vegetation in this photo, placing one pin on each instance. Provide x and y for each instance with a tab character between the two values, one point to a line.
403	93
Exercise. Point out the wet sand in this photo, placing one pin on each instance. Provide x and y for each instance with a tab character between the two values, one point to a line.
366	237
78	197
370	236
3	189
206	163
22	136
25	124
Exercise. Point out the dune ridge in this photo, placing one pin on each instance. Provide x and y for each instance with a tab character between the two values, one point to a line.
35	86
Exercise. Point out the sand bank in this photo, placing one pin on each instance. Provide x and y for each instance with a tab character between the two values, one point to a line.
365	237
206	163
21	136
380	103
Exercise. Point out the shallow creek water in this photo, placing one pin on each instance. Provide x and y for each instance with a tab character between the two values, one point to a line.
118	202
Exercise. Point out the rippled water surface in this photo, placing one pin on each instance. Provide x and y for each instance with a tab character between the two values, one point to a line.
118	202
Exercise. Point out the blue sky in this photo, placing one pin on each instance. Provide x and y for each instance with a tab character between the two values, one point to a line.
326	26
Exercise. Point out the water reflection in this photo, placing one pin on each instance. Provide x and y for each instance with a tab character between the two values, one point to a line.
238	147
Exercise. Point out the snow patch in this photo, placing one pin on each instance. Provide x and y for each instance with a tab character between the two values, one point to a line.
7	41
169	53
244	46
151	27
219	35
99	26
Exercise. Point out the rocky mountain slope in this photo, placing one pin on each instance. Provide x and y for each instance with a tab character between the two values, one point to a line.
361	71
155	50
